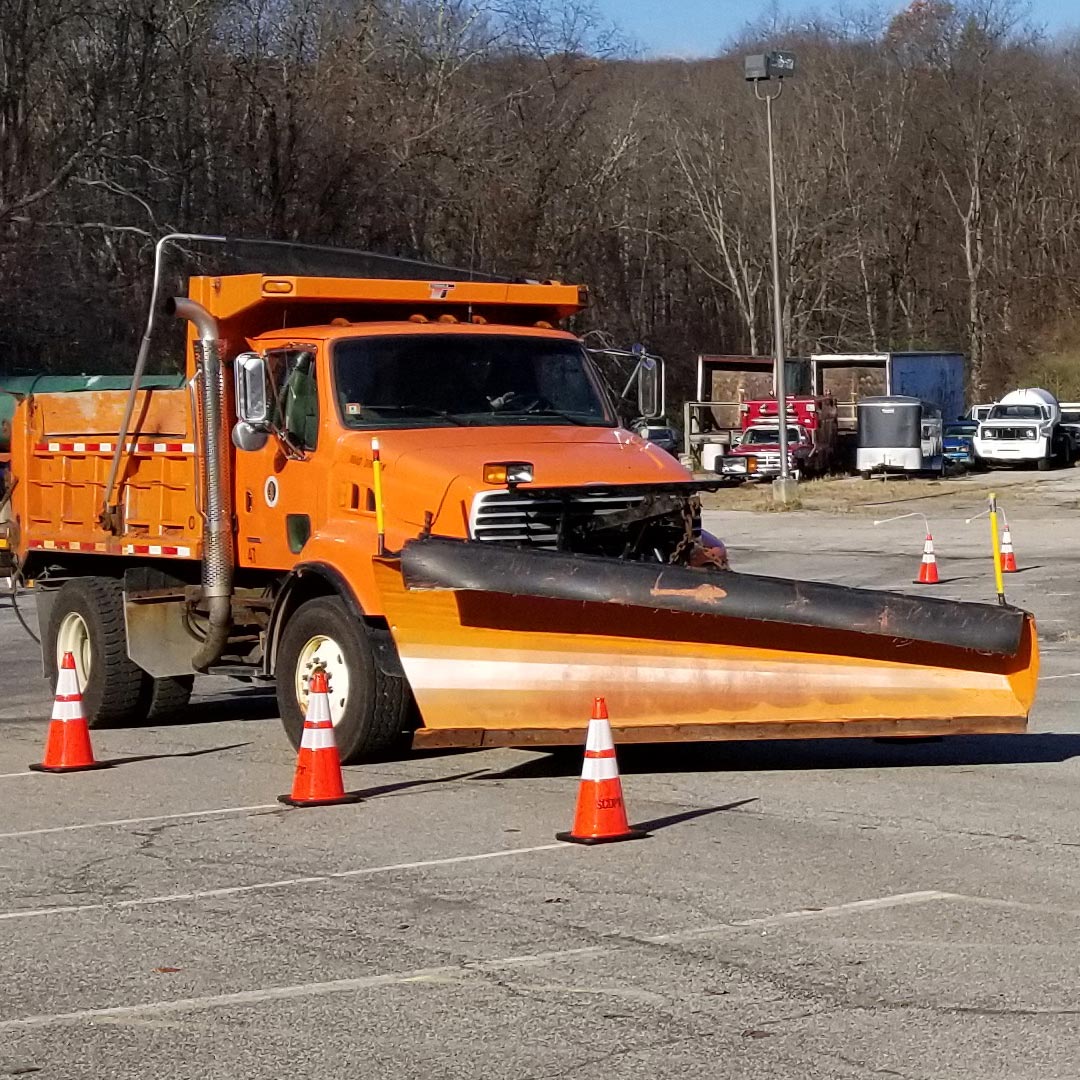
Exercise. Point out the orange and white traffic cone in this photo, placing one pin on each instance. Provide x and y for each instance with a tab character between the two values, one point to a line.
1008	556
600	815
928	574
317	781
67	747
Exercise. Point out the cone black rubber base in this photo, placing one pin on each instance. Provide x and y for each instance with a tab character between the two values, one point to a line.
570	838
70	768
288	800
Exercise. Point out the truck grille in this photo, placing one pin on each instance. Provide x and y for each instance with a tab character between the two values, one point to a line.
517	517
1008	433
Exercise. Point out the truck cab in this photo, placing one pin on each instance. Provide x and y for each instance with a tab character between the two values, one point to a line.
470	421
1024	428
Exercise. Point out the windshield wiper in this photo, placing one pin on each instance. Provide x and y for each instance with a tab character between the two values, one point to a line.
552	412
418	411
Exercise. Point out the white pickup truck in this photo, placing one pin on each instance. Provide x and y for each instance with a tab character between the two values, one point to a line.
1024	428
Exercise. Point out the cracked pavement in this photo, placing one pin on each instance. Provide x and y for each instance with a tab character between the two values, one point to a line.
835	910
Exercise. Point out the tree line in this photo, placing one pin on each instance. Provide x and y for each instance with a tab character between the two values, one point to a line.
928	169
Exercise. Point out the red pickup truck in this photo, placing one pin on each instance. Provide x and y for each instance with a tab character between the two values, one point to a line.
811	435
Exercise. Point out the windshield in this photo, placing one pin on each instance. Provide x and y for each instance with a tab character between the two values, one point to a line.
961	429
1016	412
435	380
768	436
1070	417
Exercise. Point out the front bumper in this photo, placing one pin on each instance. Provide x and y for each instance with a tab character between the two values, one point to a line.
1011	450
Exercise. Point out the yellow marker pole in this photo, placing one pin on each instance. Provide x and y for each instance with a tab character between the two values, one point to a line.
995	544
376	469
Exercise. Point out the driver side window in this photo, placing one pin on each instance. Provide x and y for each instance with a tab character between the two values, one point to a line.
296	398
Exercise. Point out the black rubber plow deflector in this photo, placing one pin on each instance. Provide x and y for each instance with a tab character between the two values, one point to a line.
437	563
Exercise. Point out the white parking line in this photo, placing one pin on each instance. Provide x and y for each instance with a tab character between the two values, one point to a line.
898	900
1070	675
261	886
9	775
139	820
454	972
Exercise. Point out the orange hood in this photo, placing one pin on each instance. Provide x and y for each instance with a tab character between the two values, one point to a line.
440	469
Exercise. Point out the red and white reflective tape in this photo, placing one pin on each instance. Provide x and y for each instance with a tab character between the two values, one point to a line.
156	549
164	550
66	545
109	447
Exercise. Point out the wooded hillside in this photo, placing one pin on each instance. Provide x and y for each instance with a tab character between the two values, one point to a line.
929	169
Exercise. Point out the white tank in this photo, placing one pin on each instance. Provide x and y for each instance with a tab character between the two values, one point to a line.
1033	396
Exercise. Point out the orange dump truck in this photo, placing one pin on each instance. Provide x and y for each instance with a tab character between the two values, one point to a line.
422	486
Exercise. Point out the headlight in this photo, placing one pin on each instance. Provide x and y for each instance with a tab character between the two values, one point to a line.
987	433
1030	433
508	472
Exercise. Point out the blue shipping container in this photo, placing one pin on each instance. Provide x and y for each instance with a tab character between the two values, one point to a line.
936	377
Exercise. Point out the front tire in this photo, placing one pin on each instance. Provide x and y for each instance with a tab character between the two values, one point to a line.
1044	464
87	620
370	709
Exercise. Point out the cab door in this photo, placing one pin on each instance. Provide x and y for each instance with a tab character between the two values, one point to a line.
280	488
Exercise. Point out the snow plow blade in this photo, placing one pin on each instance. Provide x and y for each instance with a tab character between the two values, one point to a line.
505	646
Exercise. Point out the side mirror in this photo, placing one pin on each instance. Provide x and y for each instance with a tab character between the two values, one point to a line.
650	385
252	402
246	437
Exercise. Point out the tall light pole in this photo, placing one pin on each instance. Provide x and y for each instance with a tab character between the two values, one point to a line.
773	68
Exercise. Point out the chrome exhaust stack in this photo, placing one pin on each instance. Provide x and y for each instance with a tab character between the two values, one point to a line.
217	560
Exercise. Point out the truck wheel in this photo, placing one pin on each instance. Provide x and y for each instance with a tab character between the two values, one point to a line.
865	474
370	709
1044	464
87	620
169	696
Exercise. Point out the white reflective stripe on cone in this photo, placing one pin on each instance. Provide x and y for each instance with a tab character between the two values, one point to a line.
599	736
67	683
602	768
67	710
318	739
318	709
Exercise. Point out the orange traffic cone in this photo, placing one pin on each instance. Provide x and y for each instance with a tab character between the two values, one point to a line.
928	574
67	747
600	816
1008	556
317	781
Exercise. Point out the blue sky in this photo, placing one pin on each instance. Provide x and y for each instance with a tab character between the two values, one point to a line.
697	27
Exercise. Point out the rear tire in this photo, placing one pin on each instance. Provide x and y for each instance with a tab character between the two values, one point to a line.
87	619
169	696
370	709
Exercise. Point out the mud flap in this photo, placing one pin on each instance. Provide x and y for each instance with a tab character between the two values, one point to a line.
503	645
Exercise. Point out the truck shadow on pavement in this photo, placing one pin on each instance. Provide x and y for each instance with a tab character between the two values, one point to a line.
813	754
252	703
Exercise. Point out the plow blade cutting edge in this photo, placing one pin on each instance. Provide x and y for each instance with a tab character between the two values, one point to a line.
504	646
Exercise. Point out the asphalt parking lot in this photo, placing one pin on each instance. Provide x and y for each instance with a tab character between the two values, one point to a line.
825	909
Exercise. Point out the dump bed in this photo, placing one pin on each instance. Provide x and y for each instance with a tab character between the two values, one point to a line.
62	446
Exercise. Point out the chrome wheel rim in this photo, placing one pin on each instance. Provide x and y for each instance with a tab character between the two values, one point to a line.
325	652
74	637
